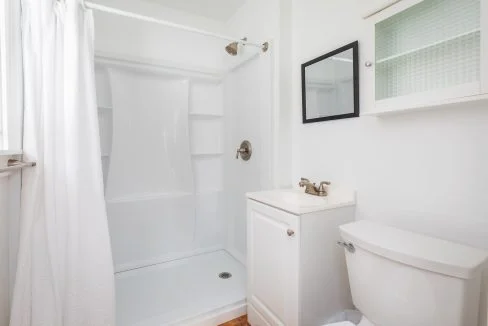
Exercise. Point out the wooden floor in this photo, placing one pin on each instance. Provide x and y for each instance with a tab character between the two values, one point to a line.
241	321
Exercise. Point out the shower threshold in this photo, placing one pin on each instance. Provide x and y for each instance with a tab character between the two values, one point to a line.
182	292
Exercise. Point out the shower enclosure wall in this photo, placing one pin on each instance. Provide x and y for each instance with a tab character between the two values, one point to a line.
174	189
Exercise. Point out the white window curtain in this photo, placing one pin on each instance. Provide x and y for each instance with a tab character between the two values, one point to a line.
65	272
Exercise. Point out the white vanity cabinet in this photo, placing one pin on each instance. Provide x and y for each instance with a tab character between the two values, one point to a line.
296	271
425	53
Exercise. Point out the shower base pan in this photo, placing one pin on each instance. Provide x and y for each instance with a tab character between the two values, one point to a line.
182	292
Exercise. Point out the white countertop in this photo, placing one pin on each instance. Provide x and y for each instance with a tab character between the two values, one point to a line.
296	202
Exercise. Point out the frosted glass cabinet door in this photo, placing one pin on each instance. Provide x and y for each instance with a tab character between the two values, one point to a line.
425	52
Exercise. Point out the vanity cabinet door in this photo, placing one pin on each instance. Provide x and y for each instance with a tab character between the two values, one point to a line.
272	263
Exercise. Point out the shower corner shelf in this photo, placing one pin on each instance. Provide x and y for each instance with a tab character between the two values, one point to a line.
209	191
204	155
196	115
104	107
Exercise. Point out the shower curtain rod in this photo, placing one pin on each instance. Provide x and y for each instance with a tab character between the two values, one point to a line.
115	11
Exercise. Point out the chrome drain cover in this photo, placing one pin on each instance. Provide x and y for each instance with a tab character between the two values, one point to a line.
225	275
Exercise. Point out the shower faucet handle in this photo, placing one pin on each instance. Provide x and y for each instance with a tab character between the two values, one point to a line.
240	151
244	150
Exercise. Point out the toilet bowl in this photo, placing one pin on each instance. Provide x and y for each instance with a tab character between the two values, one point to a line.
365	322
435	282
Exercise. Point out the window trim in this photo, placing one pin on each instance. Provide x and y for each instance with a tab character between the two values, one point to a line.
11	74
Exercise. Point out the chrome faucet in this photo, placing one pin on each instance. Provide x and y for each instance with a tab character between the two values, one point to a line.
312	189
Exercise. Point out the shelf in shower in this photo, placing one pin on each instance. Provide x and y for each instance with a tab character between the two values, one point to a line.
209	191
148	196
203	155
205	115
104	107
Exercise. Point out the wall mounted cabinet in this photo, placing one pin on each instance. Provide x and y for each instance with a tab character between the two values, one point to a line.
425	54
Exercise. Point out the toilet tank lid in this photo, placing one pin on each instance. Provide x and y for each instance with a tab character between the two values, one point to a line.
436	255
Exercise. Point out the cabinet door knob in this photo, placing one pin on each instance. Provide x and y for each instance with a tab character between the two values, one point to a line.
368	64
290	232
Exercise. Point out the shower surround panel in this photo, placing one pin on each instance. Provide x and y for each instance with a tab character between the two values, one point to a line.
174	190
149	193
162	149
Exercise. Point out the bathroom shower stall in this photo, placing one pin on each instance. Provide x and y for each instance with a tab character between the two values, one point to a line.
175	192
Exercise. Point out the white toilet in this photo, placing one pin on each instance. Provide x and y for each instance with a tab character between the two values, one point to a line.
400	278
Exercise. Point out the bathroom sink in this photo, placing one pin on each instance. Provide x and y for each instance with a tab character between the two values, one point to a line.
296	201
296	197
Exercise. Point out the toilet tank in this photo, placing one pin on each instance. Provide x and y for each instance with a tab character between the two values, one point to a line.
402	278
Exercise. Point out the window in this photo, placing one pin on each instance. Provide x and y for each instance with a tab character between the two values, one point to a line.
2	69
10	76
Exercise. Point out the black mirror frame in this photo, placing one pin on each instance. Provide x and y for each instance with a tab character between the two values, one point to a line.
355	47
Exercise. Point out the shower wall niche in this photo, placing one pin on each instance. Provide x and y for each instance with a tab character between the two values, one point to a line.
187	218
104	103
206	141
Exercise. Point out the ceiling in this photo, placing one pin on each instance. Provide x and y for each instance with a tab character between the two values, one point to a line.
220	10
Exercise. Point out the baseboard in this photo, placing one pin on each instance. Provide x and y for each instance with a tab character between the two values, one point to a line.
216	317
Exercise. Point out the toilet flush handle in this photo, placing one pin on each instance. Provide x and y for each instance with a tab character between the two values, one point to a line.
348	246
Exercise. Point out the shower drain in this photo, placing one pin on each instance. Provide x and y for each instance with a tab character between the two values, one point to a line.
225	275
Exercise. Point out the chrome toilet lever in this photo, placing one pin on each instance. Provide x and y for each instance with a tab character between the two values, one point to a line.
348	246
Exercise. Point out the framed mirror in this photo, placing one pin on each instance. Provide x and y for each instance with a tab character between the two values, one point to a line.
330	85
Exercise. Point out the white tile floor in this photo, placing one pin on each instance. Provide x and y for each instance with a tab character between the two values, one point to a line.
165	293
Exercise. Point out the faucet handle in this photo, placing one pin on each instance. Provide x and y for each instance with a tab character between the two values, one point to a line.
303	182
322	187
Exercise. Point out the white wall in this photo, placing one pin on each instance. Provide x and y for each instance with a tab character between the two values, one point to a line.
262	21
257	112
128	37
247	101
422	171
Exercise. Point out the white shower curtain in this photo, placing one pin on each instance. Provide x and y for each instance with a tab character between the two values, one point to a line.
65	273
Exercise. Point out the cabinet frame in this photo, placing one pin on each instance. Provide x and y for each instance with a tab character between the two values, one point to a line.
484	47
434	98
